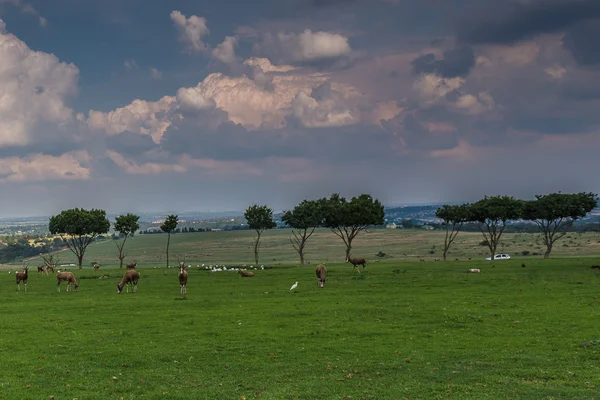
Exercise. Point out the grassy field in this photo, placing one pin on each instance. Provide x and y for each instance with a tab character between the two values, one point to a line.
403	329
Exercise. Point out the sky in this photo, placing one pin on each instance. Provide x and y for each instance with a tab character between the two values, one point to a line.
148	106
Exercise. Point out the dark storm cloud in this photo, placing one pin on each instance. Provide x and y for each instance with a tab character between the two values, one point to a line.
582	41
506	22
455	62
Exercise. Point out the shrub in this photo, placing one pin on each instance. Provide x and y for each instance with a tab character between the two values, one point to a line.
525	252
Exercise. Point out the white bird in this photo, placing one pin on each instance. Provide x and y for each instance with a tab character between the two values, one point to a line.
294	286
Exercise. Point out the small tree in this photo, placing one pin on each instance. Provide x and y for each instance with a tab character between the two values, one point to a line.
80	227
491	214
259	218
169	226
453	218
303	219
348	218
51	259
126	225
554	213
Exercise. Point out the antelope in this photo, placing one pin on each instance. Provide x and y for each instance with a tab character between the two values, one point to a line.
245	274
130	278
131	265
69	278
321	275
41	269
183	275
50	268
357	261
595	266
22	276
96	267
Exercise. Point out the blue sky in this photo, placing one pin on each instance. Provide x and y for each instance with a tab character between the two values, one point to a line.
137	105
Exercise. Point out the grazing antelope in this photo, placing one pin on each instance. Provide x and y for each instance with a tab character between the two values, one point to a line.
69	278
357	261
130	278
41	269
321	275
131	265
183	275
22	276
245	274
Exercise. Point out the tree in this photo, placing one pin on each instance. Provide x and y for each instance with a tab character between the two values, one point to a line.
453	218
491	214
169	226
554	213
259	218
348	218
80	227
126	225
303	219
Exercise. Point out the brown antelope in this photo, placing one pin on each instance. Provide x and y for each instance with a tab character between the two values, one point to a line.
357	261
22	276
321	275
132	265
50	268
67	277
96	267
130	278
245	274
183	275
41	269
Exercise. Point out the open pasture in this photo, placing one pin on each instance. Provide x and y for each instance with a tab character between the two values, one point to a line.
414	330
235	248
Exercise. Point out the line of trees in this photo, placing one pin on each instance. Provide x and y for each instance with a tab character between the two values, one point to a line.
553	213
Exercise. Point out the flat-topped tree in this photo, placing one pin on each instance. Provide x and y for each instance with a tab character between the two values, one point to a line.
348	218
259	218
554	213
126	225
169	226
453	217
303	219
491	214
78	228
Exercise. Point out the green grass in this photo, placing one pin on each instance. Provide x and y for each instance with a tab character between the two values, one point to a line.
404	329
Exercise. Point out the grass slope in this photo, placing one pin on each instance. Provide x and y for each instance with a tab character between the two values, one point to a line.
402	330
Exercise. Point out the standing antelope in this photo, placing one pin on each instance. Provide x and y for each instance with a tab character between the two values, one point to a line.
22	276
132	265
130	278
357	261
183	275
321	275
41	269
50	268
69	278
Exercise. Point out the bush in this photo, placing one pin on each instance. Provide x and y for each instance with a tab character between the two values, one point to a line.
525	252
483	243
380	254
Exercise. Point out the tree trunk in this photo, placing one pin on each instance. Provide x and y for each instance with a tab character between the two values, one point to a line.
80	260
445	253
121	260
168	241
548	251
348	249
301	253
256	244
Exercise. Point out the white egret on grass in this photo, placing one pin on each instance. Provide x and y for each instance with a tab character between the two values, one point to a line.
294	286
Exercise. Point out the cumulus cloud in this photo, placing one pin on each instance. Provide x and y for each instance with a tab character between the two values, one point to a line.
43	168
225	52
148	168
191	30
305	47
34	88
324	107
455	62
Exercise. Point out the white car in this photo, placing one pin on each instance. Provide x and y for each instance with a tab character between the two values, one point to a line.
499	257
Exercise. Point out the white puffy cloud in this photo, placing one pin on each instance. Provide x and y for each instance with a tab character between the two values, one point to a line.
432	89
307	46
34	87
193	100
143	117
42	168
323	108
225	52
191	30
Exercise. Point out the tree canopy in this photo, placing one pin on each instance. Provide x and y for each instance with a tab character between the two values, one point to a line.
303	219
347	219
491	214
555	212
126	225
81	227
453	217
169	226
259	218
